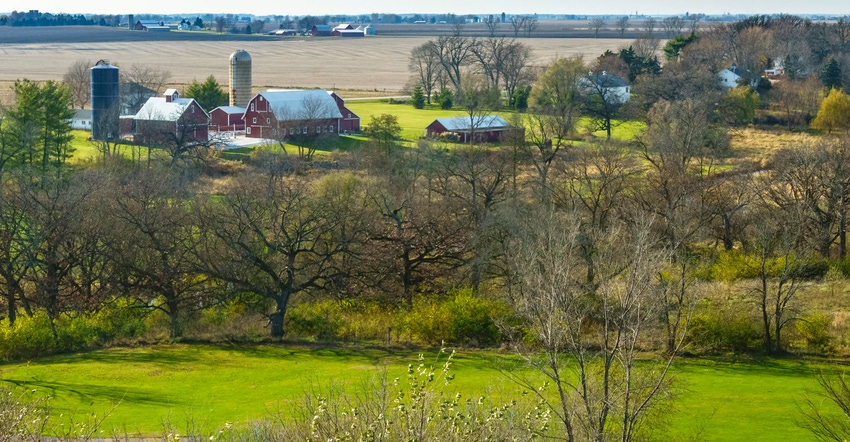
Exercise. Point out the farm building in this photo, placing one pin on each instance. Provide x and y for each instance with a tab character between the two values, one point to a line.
133	96
170	120
227	119
734	76
283	114
609	86
321	31
369	30
343	27
82	119
151	25
485	128
348	33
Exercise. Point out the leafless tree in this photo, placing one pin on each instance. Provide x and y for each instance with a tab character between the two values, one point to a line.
824	423
530	25
588	338
646	46
455	53
596	24
672	25
425	65
137	82
649	25
518	24
78	79
693	26
492	26
623	24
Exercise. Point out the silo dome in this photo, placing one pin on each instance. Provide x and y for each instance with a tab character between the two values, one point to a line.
240	78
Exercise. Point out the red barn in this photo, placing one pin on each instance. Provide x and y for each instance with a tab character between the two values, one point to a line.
321	31
227	118
282	114
486	128
171	120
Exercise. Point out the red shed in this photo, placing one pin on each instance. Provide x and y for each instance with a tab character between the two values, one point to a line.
227	118
321	31
486	128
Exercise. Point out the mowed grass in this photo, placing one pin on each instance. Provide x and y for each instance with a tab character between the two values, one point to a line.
718	401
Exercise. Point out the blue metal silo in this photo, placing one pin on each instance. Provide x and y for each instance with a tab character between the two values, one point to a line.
105	101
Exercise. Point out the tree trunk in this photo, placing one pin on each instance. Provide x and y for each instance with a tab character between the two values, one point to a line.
276	318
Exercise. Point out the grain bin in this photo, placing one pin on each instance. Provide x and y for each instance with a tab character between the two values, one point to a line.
105	101
240	78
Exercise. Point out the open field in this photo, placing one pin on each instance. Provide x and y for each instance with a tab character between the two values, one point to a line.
377	64
719	400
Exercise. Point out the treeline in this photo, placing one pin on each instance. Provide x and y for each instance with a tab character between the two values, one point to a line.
36	18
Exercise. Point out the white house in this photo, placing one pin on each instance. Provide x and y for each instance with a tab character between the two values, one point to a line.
734	76
82	119
612	87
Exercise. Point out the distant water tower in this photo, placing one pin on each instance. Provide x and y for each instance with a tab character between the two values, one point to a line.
105	100
240	78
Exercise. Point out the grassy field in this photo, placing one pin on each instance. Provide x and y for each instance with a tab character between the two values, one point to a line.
719	401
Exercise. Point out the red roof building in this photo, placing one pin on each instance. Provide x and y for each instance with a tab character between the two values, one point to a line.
227	119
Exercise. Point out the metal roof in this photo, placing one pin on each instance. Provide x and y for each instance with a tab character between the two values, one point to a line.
157	109
296	104
232	109
607	80
481	122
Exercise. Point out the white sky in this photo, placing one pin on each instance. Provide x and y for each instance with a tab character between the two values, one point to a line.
322	7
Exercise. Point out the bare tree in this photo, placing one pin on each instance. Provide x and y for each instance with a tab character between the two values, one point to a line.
623	24
78	79
825	424
492	25
425	65
588	338
649	25
455	53
596	24
518	24
530	25
140	82
672	25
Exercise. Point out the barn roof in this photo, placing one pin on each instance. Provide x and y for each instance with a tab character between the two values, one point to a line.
157	109
232	109
482	122
296	104
325	28
607	80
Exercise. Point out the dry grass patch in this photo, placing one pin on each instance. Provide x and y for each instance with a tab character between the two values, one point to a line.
760	144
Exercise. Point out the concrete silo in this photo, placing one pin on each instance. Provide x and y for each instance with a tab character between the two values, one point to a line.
240	78
105	101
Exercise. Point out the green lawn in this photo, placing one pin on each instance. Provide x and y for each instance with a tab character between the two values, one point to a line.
720	401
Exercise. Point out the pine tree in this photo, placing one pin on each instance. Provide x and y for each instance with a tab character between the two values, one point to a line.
830	74
418	97
208	94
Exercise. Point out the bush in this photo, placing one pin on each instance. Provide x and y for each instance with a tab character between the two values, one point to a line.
814	331
461	318
320	320
716	332
32	337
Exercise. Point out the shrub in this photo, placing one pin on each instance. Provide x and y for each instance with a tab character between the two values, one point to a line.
719	331
460	318
814	331
320	320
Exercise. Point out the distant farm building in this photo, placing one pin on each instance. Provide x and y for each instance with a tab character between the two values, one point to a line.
609	86
348	33
134	96
283	114
484	128
735	76
343	27
321	31
151	25
170	120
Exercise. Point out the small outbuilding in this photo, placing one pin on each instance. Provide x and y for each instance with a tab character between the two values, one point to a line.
171	120
82	119
735	76
484	128
321	31
227	119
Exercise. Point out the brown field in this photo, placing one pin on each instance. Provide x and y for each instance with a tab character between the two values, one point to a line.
375	64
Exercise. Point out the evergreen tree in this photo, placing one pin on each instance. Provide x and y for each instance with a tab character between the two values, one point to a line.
418	97
208	94
830	74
